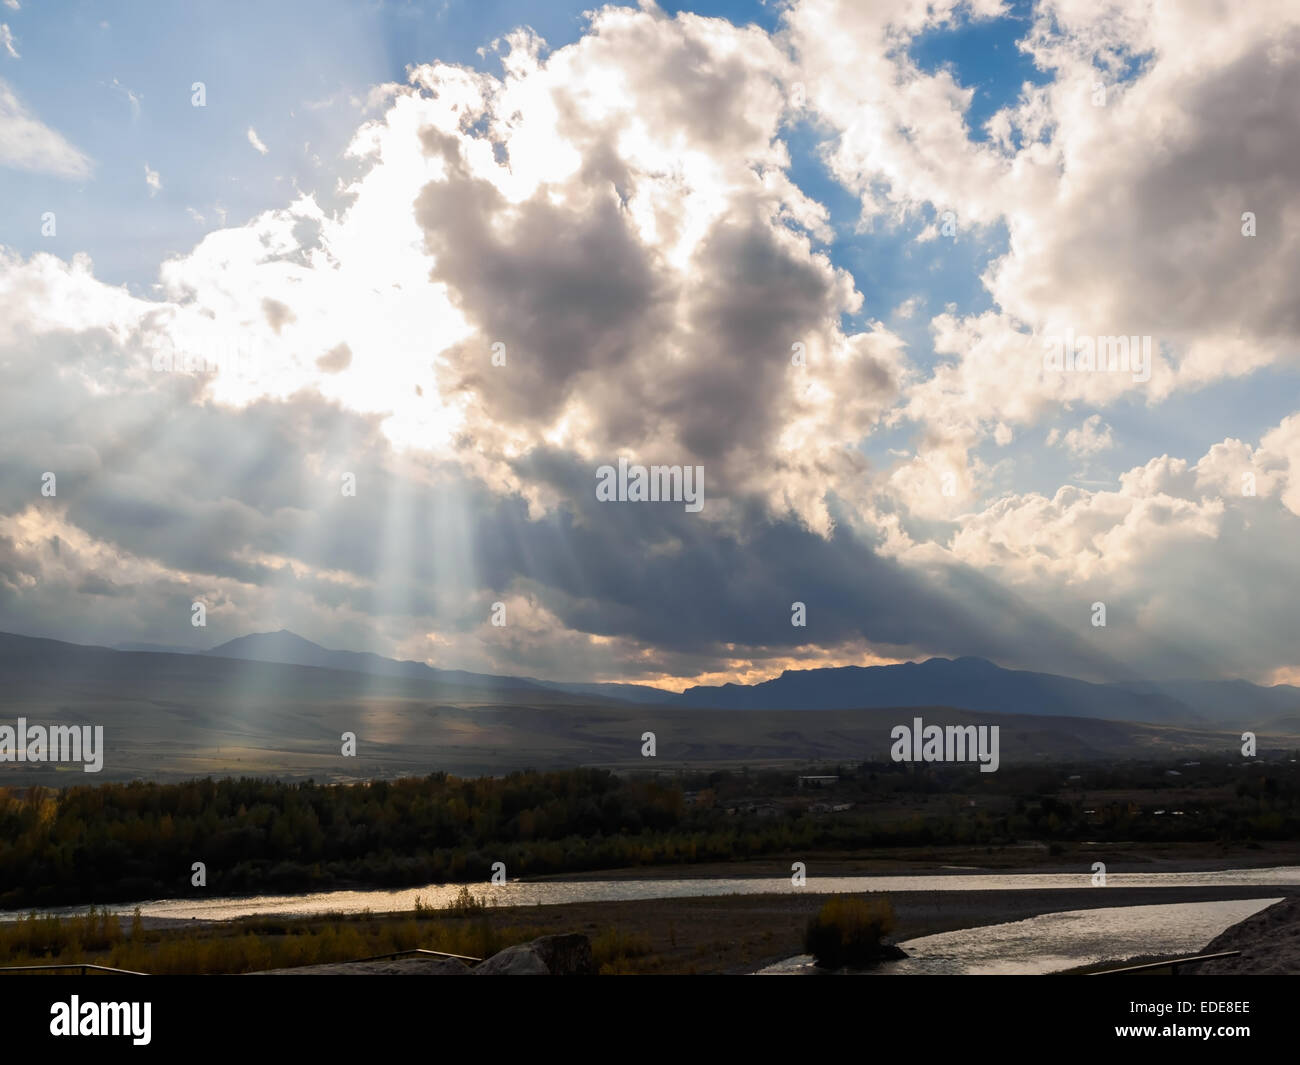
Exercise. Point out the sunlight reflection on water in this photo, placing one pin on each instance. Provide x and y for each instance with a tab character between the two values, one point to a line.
1054	941
553	892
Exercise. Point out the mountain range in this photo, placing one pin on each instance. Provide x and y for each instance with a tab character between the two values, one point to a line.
974	684
275	704
966	683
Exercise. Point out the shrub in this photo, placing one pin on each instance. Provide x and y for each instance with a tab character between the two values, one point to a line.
463	905
613	948
847	930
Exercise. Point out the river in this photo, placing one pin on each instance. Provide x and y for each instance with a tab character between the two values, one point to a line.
1055	941
553	892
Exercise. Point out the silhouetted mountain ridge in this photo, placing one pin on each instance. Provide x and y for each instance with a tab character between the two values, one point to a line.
288	648
968	683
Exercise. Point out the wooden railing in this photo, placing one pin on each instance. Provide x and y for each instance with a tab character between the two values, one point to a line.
1170	963
82	968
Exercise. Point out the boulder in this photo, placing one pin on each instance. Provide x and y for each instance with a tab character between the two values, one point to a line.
514	961
385	967
562	955
1269	941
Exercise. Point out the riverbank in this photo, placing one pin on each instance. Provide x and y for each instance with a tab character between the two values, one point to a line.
1030	857
699	934
1008	871
753	918
1269	943
742	933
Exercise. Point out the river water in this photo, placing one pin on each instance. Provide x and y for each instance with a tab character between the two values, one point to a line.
1055	941
552	892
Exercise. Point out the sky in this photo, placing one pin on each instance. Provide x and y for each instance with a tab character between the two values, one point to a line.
327	316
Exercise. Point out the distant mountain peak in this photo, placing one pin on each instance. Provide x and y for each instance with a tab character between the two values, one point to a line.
968	682
280	639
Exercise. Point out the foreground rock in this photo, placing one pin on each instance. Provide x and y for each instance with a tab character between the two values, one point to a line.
563	955
387	967
1269	943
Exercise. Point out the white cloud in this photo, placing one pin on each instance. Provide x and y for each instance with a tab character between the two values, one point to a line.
26	143
1182	553
1123	219
700	283
1278	462
1088	439
152	179
619	216
901	140
1144	235
133	98
7	40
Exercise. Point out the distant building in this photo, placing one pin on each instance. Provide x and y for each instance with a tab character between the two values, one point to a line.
818	782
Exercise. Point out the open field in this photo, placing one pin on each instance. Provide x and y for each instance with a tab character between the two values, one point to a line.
297	736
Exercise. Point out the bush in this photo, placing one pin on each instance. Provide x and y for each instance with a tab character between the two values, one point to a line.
463	905
848	930
613	950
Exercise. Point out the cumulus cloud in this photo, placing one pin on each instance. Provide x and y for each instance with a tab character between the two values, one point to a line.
1146	549
1148	235
1087	439
256	142
603	252
703	315
1125	209
660	293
